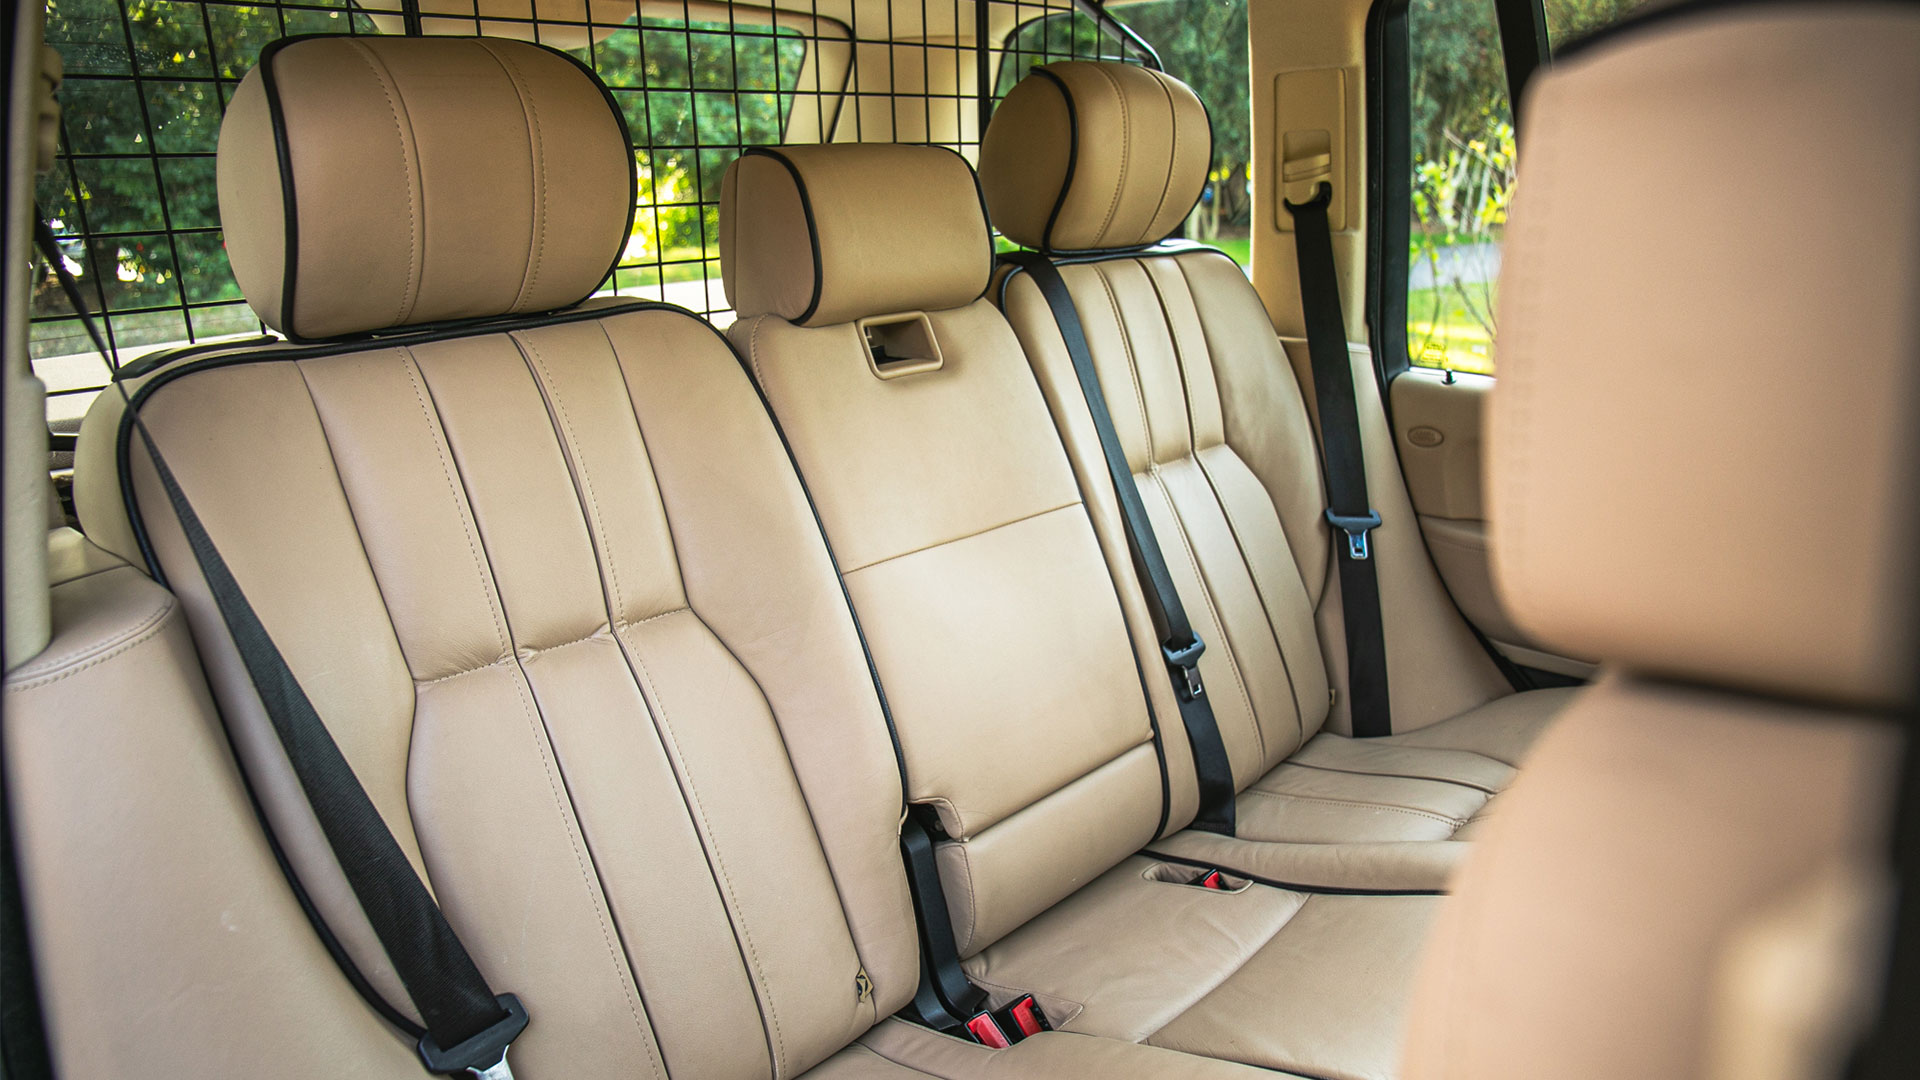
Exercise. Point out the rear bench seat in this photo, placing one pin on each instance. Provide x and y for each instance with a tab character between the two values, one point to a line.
1095	163
1000	633
547	574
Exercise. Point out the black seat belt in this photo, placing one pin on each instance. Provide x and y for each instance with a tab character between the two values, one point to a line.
468	1026
1348	509
1179	645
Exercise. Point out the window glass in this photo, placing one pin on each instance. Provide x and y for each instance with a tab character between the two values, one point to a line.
1203	43
1463	157
1570	20
1463	169
132	198
694	94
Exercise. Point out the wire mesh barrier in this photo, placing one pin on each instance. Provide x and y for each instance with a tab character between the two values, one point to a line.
133	199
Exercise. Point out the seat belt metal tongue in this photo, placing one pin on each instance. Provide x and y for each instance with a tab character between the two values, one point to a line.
1356	528
1184	660
1349	511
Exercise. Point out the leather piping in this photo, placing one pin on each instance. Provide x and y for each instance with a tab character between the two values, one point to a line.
277	118
813	229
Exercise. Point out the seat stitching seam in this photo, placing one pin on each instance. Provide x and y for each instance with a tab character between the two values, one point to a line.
93	657
1133	365
1173	159
973	902
1323	800
502	662
960	539
1238	968
408	295
435	436
697	805
1293	557
1469	785
753	351
569	817
1126	155
1180	361
1226	509
529	653
1219	624
537	245
1254	573
596	890
550	387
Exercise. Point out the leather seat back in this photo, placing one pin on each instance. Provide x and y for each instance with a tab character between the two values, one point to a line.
1206	403
1688	878
858	272
550	580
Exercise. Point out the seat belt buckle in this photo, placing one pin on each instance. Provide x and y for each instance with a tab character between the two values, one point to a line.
1024	1016
1185	659
1000	1028
986	1030
483	1056
1213	879
1356	528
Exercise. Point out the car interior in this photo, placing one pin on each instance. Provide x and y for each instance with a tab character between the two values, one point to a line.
903	539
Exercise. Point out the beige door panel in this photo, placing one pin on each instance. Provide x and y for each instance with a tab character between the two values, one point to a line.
1437	420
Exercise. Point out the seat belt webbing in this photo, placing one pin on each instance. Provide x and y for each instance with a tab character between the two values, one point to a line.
468	1026
1348	509
1179	645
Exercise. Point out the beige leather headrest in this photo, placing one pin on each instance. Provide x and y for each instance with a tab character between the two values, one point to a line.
1088	156
820	235
368	183
1702	440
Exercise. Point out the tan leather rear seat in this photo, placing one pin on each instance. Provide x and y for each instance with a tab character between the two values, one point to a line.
1000	633
1096	163
550	580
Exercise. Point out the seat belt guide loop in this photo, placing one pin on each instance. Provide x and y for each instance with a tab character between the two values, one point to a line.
1356	528
1185	659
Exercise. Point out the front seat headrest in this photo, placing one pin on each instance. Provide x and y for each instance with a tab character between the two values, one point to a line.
1094	156
821	235
1702	441
368	183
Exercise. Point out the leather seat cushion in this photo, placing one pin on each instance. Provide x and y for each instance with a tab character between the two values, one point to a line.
1378	800
1269	977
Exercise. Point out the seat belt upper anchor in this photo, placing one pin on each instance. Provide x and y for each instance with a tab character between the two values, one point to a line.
1186	660
484	1056
1356	528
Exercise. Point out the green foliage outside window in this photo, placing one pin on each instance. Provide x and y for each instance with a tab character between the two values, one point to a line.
1464	156
1203	43
134	197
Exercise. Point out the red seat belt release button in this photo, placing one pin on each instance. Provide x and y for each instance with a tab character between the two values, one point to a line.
986	1031
1213	880
1026	1016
